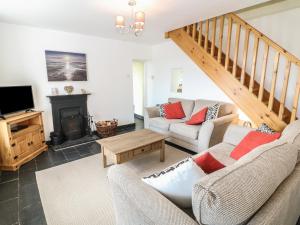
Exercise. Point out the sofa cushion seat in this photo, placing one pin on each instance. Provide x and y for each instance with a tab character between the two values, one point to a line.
163	123
190	131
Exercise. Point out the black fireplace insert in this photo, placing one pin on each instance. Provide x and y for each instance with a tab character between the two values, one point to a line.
70	117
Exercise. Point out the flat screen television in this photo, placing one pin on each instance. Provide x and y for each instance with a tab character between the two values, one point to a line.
15	99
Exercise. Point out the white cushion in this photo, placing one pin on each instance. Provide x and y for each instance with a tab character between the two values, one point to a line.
163	123
190	131
176	182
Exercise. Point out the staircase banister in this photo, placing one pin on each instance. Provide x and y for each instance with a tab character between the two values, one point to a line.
269	41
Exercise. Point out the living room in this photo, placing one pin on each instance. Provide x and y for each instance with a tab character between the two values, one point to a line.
161	88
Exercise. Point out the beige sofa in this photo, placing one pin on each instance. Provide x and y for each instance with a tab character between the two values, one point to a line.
193	137
261	188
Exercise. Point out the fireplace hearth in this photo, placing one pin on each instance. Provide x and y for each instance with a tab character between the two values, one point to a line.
70	117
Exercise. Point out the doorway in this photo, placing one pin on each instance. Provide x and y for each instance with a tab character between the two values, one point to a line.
138	77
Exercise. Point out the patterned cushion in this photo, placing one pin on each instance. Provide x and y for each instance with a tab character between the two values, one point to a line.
264	128
162	110
212	112
232	195
176	182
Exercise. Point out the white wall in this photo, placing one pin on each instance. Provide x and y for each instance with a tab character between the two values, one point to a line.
109	64
196	84
282	27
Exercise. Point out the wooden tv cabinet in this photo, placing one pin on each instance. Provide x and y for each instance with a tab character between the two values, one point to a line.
19	147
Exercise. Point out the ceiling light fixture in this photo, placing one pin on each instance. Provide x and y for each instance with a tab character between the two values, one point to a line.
136	22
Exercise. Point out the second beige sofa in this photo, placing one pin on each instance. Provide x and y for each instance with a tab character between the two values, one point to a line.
193	137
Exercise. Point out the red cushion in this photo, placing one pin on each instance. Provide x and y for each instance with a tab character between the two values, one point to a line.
174	111
198	118
208	163
251	141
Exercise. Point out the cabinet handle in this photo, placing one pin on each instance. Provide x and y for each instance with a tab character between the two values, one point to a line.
13	145
42	131
31	142
15	157
28	143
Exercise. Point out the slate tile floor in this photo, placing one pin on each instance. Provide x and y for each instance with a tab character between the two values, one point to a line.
20	202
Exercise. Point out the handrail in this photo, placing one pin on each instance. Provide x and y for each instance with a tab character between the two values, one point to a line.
269	41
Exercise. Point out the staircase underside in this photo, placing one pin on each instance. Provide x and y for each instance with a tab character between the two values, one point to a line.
240	94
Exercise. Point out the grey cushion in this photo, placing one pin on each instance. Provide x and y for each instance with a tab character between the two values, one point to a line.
234	134
292	135
225	108
190	131
232	195
162	123
187	105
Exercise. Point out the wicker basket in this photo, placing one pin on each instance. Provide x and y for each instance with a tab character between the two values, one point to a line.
107	128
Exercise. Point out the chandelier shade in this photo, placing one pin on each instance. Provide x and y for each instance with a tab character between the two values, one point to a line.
140	18
120	21
137	22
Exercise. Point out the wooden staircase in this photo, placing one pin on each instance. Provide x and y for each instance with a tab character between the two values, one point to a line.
262	78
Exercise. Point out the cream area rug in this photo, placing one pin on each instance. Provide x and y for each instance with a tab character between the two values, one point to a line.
78	192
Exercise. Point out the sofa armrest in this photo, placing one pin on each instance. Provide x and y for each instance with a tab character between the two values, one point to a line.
137	203
150	112
212	132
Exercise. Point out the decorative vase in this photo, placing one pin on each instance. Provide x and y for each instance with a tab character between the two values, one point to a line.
69	89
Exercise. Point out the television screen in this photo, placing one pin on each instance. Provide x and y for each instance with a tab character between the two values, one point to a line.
14	99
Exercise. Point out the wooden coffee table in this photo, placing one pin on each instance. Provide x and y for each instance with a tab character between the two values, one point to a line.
125	147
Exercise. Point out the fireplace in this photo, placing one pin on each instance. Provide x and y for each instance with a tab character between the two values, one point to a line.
70	115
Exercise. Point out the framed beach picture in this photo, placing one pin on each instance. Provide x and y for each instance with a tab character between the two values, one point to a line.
66	66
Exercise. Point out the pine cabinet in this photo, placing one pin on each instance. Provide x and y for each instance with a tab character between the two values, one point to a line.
21	139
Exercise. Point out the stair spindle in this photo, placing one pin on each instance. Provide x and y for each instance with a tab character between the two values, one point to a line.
200	33
213	42
245	56
189	30
284	89
206	34
253	68
228	43
194	31
221	29
296	99
274	79
236	51
263	73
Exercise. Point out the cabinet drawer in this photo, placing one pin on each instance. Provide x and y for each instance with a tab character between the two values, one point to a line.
141	150
157	145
